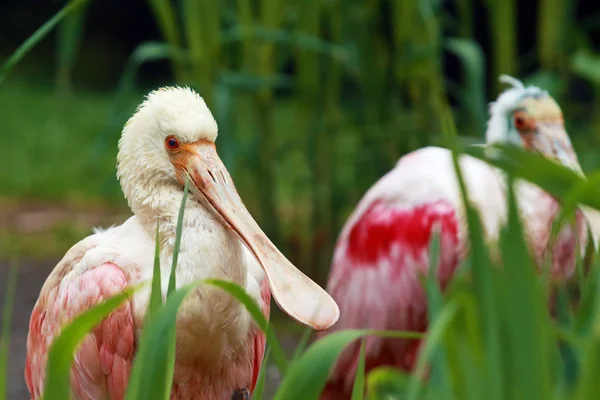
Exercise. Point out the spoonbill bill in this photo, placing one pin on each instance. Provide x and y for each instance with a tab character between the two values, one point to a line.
171	138
384	245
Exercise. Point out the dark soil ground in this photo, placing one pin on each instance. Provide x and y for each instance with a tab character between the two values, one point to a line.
31	277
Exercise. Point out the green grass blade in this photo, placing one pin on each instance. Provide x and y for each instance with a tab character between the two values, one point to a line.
387	383
9	295
552	177
35	38
70	33
156	294
153	367
240	294
587	384
167	21
437	329
259	389
358	390
178	229
473	93
302	343
435	304
528	323
60	356
307	375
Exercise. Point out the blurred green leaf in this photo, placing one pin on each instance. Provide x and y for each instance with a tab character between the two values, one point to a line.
35	38
302	343
552	177
60	355
587	65
473	94
436	331
387	383
70	33
168	24
358	390
307	375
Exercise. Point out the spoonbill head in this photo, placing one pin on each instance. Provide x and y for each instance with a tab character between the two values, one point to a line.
529	117
171	138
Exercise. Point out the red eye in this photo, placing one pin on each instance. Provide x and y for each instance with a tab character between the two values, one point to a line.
520	122
172	143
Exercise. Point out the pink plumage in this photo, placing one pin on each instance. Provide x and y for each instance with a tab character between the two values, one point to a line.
103	361
104	358
384	248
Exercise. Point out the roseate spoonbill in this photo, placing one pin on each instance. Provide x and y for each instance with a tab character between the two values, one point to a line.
383	246
219	347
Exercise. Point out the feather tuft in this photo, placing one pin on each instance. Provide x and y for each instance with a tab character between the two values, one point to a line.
514	82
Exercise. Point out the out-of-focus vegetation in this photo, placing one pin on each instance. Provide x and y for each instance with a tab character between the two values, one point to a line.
315	100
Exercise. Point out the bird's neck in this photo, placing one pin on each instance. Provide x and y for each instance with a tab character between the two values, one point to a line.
207	250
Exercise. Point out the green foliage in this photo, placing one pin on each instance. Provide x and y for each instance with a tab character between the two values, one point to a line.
153	367
359	383
34	39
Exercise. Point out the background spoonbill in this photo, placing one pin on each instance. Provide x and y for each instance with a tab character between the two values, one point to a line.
219	347
383	247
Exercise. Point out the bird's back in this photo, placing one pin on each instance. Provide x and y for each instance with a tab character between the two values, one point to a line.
384	247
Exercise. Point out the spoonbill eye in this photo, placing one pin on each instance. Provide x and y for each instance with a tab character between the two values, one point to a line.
172	143
523	122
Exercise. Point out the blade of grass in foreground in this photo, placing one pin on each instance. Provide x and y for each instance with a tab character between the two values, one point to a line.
552	177
60	356
437	329
486	301
587	383
34	39
70	33
153	367
259	389
178	229
358	391
386	383
156	293
435	304
11	285
302	343
307	376
526	311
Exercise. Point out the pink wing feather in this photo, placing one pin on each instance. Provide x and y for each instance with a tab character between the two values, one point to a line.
375	279
103	360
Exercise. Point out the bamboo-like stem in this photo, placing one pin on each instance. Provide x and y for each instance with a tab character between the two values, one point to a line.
270	18
465	12
503	22
167	22
324	209
70	32
307	84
